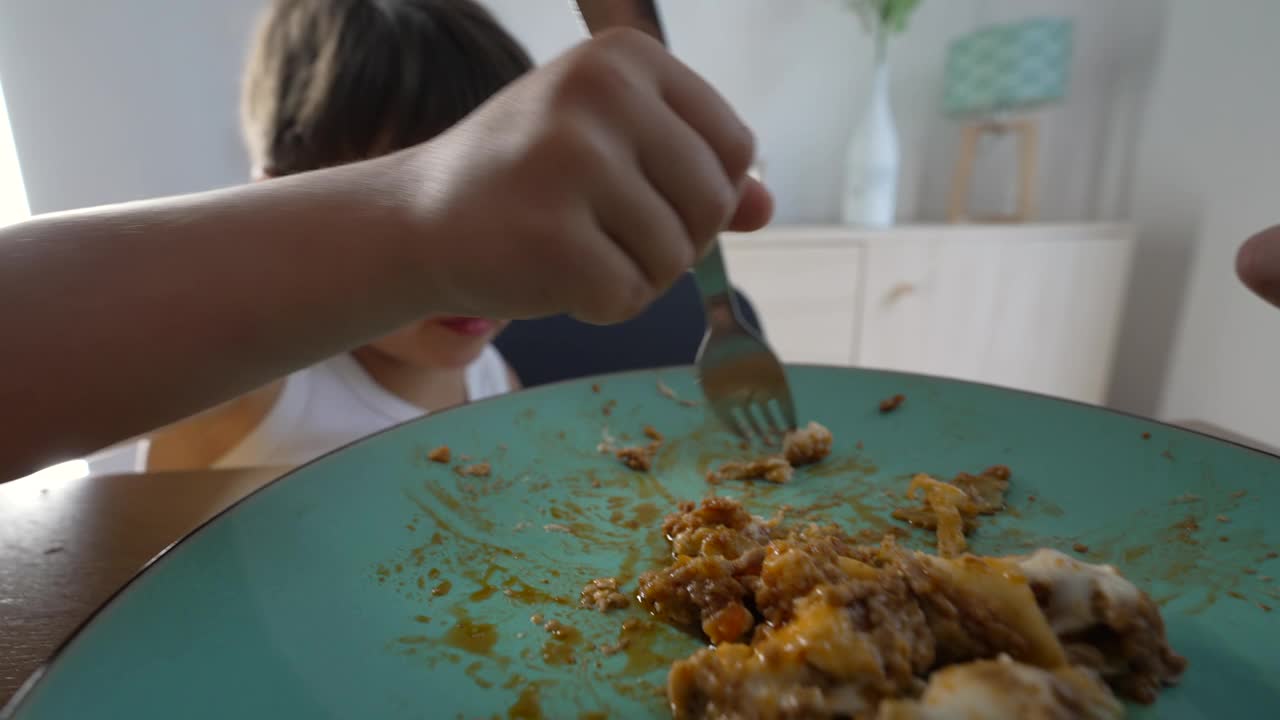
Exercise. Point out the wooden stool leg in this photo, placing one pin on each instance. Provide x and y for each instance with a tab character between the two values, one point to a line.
958	209
1027	146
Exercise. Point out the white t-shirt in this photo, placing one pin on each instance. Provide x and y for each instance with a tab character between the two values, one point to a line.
328	405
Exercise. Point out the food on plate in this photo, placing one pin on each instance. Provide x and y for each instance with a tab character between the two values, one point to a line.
890	404
805	446
441	454
951	508
807	622
602	594
638	457
477	470
1004	688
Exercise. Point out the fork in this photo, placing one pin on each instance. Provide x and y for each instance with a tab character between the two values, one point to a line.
741	377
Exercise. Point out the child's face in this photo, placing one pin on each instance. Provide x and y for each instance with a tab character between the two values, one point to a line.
439	342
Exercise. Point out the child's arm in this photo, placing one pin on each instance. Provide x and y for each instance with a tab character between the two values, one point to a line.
586	187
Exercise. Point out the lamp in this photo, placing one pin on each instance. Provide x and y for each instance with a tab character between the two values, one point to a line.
992	73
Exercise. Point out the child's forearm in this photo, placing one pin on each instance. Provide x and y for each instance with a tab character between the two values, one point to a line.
120	319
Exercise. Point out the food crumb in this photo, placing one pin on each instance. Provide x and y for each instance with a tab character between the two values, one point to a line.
478	470
1031	498
595	483
595	388
888	405
520	635
614	648
608	407
1080	548
555	527
1273	554
601	594
667	391
1239	494
522	525
858	445
1223	519
1146	436
638	458
1249	571
1223	538
1265	607
441	454
1265	578
1167	455
1235	594
537	619
1184	499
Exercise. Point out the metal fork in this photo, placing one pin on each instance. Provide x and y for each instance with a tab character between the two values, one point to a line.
745	385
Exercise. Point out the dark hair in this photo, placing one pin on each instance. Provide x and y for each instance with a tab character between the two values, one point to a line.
334	81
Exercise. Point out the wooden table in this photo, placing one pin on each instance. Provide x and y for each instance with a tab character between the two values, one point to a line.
66	547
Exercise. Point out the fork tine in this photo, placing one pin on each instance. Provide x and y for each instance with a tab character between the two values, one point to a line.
787	407
771	416
763	436
725	415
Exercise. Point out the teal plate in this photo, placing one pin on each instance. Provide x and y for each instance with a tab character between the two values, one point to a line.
374	583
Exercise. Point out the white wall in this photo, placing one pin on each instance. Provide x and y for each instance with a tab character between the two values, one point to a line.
130	98
123	99
796	70
1208	177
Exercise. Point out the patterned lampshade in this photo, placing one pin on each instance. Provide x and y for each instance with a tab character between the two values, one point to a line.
1009	67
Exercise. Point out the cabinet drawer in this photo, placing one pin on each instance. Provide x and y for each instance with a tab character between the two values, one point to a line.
1037	316
806	298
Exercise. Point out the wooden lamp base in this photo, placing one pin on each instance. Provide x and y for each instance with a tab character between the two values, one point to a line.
961	185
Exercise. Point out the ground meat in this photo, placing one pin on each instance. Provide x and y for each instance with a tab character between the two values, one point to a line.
809	623
888	405
774	469
441	454
639	458
805	446
602	594
1105	622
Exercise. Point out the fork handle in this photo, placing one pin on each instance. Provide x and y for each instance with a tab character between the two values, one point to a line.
713	283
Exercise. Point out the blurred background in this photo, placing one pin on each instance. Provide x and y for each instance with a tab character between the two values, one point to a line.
1046	194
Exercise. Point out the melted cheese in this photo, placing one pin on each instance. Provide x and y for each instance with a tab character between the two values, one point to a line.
1001	688
1072	585
999	585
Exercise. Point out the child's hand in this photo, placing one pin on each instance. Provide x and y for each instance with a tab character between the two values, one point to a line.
1258	264
586	187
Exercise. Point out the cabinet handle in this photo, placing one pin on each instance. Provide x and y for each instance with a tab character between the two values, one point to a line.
897	292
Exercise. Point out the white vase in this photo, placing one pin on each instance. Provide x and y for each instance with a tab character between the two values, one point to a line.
871	170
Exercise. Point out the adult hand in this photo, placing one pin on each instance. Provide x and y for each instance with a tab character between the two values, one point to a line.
1258	264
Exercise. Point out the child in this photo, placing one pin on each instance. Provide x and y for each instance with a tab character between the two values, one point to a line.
331	82
587	187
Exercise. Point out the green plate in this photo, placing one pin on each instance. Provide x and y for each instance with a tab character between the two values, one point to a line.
376	584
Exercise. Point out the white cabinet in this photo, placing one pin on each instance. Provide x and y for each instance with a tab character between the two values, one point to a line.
1035	307
804	298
